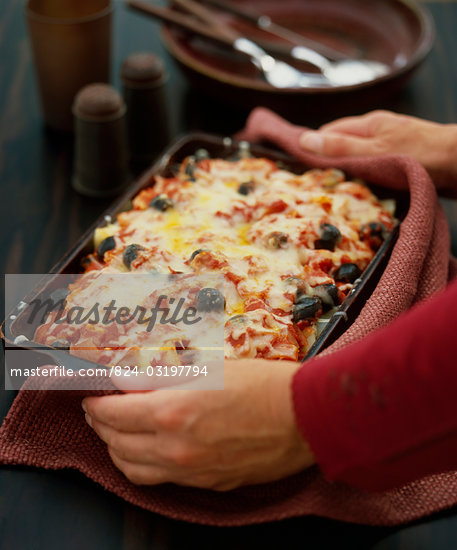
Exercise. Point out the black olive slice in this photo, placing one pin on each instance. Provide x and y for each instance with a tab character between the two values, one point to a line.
238	319
329	238
195	253
277	240
347	273
107	244
374	233
201	154
246	188
130	254
210	299
328	293
190	168
59	297
161	203
306	308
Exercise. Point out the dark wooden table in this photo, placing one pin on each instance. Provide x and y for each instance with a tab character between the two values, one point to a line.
42	217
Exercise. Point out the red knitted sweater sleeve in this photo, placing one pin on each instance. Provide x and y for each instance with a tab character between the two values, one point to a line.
383	412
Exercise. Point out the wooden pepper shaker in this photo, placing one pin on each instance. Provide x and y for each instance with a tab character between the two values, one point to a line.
101	148
144	79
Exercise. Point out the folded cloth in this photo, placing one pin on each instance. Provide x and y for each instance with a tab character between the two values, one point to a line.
47	429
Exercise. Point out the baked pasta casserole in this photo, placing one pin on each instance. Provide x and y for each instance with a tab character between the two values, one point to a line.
289	246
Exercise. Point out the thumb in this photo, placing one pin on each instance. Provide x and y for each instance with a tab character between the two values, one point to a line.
331	144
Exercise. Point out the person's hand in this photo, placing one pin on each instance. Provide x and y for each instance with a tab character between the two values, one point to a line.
221	439
382	132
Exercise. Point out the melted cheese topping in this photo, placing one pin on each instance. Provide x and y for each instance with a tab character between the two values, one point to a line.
262	236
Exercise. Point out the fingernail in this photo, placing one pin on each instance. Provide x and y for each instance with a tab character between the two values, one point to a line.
89	420
84	406
312	141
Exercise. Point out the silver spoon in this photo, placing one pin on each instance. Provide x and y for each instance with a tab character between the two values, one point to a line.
277	73
344	72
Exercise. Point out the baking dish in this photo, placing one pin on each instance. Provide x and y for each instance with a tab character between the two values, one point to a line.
17	333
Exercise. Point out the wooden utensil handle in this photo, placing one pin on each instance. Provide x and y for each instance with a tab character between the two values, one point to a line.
230	7
208	16
180	20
